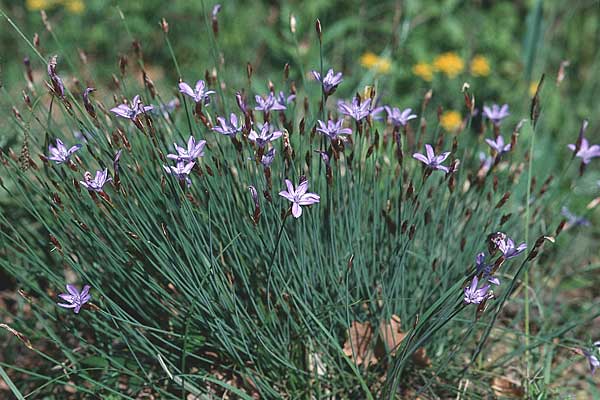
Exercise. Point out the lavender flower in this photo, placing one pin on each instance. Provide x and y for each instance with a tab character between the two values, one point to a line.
60	154
299	197
333	128
181	171
131	111
586	152
574	220
356	109
507	246
431	160
485	162
199	94
496	114
230	129
592	358
75	299
268	157
485	269
267	104
265	136
498	145
241	102
399	118
193	151
282	99
474	295
329	82
96	184
57	83
116	161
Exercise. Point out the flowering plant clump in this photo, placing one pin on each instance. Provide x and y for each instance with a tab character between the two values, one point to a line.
204	290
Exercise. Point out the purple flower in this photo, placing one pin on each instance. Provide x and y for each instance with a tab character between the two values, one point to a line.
574	220
193	151
329	82
496	114
498	145
474	295
399	118
267	104
299	196
333	128
265	136
431	160
116	161
216	10
507	246
57	83
75	299
324	157
282	99
586	152
485	269
268	157
485	162
356	109
592	358
131	111
199	94
96	184
60	154
241	102
230	129
181	171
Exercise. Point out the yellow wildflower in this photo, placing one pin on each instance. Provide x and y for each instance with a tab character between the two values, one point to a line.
423	71
449	63
480	66
36	5
74	6
451	120
373	61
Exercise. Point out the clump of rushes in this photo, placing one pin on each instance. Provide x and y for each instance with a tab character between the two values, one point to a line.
203	290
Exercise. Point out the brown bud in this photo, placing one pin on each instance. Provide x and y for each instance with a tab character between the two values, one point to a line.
319	29
36	40
123	61
503	200
28	70
164	25
560	227
249	71
505	218
286	71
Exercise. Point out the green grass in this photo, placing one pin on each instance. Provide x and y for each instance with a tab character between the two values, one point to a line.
191	297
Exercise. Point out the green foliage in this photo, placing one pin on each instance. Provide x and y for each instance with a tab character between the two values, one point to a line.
191	295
